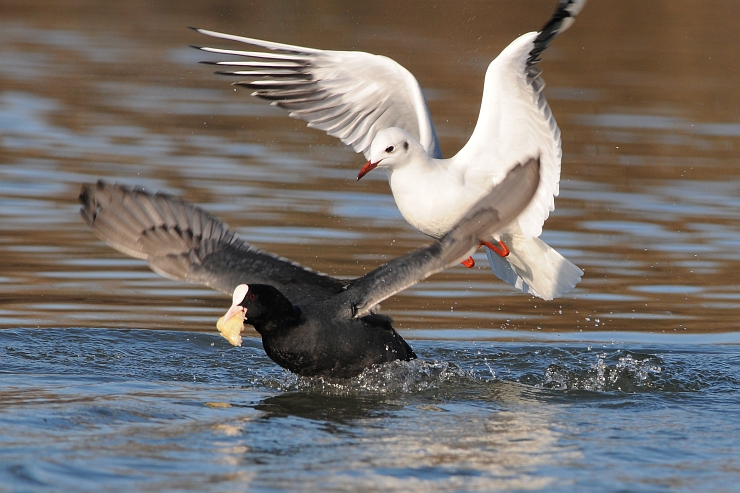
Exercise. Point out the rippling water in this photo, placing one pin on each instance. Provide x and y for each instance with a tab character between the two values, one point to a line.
141	410
627	383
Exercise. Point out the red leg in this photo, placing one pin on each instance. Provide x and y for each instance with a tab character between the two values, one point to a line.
502	250
468	262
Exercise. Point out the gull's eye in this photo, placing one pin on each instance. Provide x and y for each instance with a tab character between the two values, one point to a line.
390	149
251	296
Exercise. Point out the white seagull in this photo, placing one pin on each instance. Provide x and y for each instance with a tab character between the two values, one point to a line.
376	106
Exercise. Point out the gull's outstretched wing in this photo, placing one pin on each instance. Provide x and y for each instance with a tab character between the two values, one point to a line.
489	215
350	95
183	242
515	121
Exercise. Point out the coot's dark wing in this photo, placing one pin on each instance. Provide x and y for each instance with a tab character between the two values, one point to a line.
488	216
183	242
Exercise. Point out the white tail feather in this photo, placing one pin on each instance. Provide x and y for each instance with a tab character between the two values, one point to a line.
534	267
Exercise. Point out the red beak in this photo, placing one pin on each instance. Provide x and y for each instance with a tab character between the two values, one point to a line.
366	169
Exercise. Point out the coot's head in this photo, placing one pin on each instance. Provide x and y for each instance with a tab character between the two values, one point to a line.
259	303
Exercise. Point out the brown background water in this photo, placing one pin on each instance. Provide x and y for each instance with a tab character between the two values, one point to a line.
645	94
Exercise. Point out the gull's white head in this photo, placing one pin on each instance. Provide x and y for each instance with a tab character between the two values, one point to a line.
240	294
391	147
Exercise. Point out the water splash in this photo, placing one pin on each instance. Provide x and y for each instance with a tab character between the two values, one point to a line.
392	378
628	374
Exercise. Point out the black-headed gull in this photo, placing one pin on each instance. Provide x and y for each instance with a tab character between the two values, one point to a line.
376	106
310	323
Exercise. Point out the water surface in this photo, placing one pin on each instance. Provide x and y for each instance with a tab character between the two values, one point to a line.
142	410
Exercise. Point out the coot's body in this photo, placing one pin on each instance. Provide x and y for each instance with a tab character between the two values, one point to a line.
317	340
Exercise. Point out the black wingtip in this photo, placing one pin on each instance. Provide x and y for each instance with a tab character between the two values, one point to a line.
196	29
84	196
196	47
564	15
87	199
207	62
